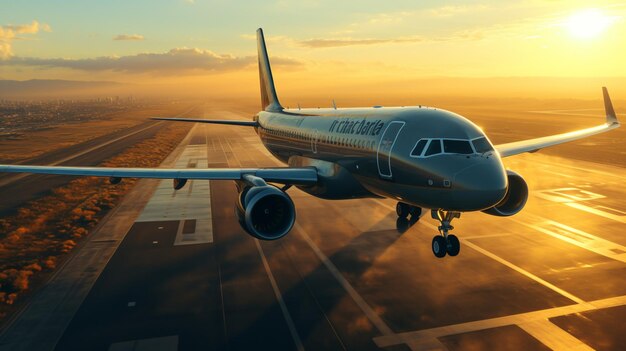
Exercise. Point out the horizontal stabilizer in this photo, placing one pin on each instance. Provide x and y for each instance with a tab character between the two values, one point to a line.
213	121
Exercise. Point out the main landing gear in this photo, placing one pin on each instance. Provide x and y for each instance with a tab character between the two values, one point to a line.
404	222
445	243
404	210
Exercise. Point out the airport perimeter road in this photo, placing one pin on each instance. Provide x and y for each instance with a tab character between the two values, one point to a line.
17	189
349	276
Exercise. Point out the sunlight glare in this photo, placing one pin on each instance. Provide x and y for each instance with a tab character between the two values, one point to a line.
586	24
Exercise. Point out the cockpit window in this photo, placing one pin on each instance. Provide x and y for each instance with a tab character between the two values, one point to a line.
457	147
419	147
481	145
433	148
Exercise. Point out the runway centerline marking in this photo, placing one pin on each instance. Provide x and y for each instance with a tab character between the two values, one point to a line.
279	297
373	317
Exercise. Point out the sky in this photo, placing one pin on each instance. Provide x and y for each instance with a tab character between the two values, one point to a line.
315	45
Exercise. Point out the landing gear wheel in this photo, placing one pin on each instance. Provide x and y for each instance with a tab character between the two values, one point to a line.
439	246
402	210
454	246
415	211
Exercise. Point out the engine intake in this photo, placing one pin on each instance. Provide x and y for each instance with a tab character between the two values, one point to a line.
265	212
514	199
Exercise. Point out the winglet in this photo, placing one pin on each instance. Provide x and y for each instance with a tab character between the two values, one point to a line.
611	118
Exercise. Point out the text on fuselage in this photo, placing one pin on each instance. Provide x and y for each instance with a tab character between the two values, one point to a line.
362	127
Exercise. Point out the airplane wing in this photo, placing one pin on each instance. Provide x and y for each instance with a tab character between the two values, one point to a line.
285	175
532	145
213	121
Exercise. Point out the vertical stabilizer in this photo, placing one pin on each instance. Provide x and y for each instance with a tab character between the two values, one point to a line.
269	99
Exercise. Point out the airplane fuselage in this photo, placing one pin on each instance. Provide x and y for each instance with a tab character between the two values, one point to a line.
374	152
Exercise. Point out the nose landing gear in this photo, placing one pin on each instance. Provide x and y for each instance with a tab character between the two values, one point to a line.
445	243
442	244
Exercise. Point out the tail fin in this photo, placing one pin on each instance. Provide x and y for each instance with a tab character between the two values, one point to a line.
269	99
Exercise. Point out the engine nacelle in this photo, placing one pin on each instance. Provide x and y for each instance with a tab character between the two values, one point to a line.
265	212
514	199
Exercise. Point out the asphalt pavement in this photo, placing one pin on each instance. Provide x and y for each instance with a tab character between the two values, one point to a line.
350	276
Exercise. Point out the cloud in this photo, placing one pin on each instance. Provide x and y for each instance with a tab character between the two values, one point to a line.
175	61
329	43
452	10
128	37
11	32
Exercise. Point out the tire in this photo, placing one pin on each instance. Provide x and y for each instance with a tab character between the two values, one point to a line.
439	246
402	210
415	211
454	246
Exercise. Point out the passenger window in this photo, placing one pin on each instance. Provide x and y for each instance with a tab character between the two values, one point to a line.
433	148
419	147
457	147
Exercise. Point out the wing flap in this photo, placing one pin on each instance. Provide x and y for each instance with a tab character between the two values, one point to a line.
285	175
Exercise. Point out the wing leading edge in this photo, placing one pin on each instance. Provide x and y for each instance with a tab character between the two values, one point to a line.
532	145
212	121
286	175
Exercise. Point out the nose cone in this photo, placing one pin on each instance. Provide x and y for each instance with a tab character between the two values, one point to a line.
479	186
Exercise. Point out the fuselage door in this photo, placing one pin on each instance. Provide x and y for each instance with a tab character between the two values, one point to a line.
385	148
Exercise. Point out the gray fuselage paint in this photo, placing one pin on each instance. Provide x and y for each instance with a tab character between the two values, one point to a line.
345	147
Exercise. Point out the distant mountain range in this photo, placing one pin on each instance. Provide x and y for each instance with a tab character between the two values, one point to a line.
54	88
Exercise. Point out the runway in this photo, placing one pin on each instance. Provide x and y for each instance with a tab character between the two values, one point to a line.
178	272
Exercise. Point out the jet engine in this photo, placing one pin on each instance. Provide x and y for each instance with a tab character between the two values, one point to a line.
265	212
514	199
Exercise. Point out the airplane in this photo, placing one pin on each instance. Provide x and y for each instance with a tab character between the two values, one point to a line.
423	157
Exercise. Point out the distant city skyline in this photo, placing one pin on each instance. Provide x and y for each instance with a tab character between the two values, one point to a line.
210	43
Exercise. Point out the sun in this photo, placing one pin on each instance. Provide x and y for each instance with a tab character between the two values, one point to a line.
587	24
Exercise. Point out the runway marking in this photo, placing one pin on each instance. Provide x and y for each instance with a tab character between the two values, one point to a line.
572	198
192	203
567	195
576	237
553	337
560	174
163	343
596	211
279	297
373	317
523	271
532	322
516	319
504	262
